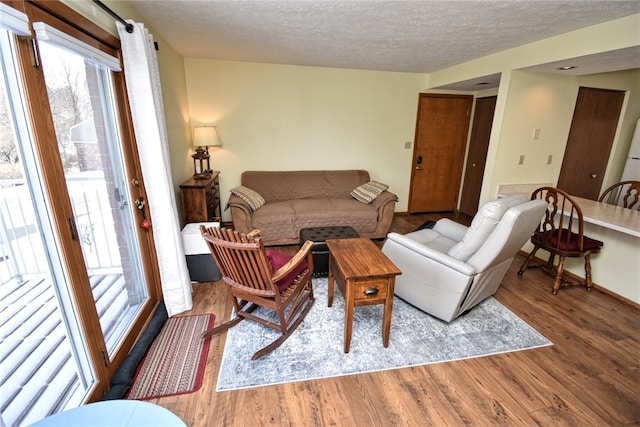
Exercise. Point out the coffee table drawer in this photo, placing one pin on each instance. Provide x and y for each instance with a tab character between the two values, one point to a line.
370	290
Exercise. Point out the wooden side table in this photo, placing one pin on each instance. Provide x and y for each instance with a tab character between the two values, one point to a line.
200	199
365	276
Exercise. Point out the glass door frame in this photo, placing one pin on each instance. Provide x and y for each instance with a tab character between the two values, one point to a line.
58	15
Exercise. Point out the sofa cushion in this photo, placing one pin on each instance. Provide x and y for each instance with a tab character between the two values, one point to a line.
275	219
367	192
483	224
252	197
327	212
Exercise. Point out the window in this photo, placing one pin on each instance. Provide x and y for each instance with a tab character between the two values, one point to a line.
40	365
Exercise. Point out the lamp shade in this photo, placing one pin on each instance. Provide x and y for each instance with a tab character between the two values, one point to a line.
205	136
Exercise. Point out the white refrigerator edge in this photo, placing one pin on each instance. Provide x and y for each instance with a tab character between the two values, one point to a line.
631	171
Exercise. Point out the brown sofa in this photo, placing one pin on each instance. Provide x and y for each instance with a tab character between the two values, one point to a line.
301	199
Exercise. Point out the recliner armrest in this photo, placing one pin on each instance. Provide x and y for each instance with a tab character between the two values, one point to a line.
432	254
450	229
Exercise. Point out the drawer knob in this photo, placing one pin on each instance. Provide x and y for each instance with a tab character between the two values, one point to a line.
371	291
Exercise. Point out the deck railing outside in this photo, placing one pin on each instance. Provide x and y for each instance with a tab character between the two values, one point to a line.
37	370
21	246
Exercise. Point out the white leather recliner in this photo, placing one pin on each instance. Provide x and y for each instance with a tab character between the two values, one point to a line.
450	268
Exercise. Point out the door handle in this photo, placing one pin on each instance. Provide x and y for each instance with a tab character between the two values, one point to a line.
122	202
140	203
419	160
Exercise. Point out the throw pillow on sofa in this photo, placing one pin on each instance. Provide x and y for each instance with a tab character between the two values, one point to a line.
367	193
253	199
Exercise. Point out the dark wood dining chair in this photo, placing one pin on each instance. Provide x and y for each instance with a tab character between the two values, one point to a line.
561	233
623	193
257	277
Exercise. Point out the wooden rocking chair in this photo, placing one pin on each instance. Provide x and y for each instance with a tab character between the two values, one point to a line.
262	278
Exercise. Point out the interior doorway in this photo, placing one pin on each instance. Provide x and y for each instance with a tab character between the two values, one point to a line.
593	127
441	134
477	156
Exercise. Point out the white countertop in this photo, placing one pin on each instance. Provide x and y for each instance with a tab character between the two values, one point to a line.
609	216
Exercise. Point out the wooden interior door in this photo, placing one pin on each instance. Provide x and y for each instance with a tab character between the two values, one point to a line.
477	156
441	135
593	128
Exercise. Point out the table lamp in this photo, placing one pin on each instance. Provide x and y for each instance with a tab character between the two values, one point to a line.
203	138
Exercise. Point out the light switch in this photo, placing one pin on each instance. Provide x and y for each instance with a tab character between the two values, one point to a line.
536	133
407	144
549	159
521	161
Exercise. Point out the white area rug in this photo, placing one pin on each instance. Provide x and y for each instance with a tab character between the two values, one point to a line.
315	350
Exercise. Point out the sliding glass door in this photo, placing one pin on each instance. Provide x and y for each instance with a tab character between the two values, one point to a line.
43	362
103	221
77	272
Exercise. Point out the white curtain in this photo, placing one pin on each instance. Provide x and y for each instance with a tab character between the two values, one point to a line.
145	98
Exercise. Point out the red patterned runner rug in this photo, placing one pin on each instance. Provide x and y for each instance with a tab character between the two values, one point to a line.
176	359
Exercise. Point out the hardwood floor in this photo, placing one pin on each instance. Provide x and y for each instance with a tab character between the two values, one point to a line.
589	377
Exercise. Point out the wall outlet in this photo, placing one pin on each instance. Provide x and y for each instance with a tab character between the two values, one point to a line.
521	160
407	144
549	159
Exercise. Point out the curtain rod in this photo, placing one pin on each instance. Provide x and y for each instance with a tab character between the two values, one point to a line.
104	7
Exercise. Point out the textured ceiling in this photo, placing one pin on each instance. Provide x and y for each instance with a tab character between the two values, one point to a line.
405	36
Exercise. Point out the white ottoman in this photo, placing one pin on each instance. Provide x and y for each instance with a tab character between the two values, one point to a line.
200	262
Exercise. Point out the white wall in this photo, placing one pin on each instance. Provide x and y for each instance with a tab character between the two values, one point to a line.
613	35
277	117
528	100
280	117
547	102
532	101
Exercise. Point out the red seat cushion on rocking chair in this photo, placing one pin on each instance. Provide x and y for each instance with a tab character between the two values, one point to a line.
277	260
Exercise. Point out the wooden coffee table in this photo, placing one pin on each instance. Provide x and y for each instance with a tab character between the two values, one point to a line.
365	276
